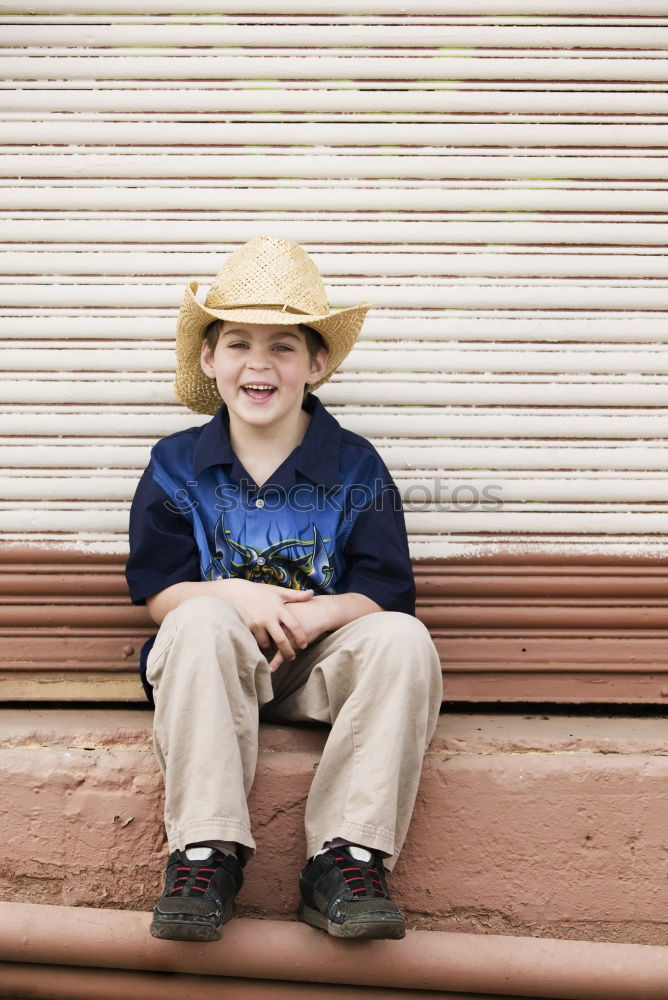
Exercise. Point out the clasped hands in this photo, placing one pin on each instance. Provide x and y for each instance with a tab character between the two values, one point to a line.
281	619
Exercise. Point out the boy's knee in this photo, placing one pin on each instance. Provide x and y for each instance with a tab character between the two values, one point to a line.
409	647
203	613
206	633
400	630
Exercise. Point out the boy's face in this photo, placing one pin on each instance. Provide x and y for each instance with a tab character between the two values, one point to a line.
261	370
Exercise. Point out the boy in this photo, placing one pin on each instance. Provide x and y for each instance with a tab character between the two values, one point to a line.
270	547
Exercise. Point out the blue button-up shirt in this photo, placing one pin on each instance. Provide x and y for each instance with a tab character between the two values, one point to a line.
329	518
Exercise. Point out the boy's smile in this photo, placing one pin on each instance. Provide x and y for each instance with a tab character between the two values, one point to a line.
260	371
259	391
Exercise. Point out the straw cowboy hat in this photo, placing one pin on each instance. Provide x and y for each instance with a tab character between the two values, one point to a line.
266	281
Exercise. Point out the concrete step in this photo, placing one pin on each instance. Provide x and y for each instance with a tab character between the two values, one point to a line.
525	824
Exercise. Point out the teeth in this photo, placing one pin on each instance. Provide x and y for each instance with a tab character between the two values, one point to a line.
252	386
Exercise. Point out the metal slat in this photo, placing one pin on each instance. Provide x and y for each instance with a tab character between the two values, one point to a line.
535	264
375	134
264	65
377	422
486	8
576	296
119	392
416	490
281	16
247	102
285	33
366	88
555	457
542	233
338	199
377	358
529	328
421	546
42	519
335	51
474	394
623	165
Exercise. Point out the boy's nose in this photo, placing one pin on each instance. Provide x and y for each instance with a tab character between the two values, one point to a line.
258	360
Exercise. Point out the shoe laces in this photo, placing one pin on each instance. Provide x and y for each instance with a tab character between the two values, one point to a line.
362	880
195	876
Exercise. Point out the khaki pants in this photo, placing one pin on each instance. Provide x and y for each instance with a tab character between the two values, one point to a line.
376	681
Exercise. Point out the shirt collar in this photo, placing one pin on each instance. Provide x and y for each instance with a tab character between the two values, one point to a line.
317	457
213	445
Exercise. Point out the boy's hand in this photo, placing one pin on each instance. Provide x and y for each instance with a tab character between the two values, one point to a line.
309	624
269	613
325	613
313	619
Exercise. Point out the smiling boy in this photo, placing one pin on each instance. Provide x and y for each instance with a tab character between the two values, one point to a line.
270	547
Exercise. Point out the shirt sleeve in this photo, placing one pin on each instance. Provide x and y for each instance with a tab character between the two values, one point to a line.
377	556
163	550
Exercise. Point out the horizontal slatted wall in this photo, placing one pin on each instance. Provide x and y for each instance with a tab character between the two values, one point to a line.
492	175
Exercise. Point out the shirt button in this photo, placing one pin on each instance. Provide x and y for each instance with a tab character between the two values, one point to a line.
259	502
261	561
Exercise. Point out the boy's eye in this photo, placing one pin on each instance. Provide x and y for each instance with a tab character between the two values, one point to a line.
277	347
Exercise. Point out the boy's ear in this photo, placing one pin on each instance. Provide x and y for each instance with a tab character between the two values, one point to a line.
206	360
318	365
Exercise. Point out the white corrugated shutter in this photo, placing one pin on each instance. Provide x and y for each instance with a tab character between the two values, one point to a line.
492	175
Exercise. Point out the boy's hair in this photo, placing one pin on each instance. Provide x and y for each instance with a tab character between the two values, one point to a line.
314	341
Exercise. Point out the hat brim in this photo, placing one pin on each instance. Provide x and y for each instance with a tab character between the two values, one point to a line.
196	390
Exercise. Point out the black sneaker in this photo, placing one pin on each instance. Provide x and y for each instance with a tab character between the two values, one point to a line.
348	898
198	897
